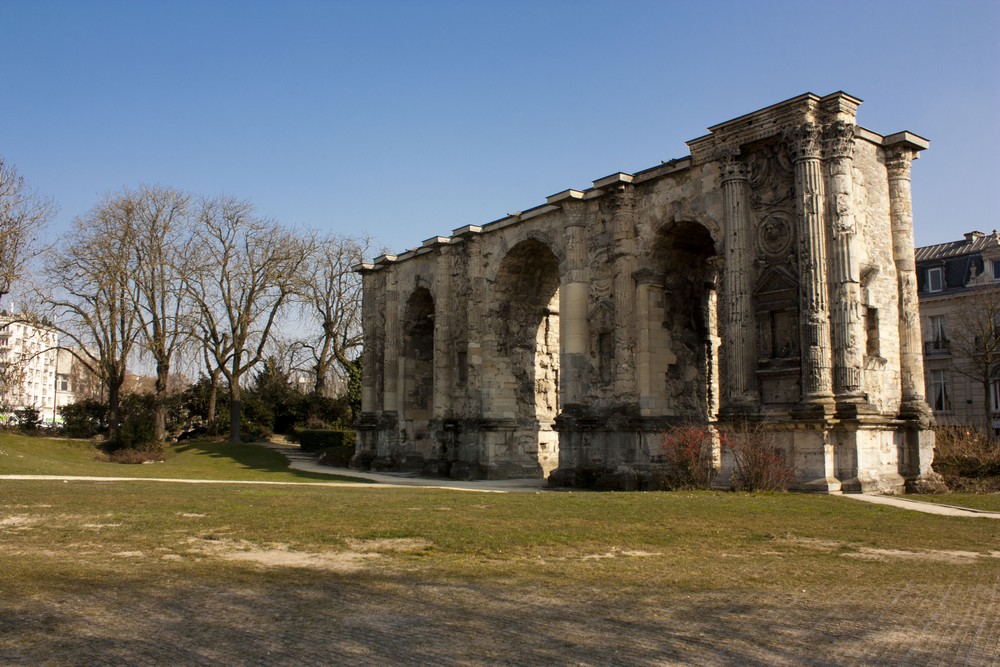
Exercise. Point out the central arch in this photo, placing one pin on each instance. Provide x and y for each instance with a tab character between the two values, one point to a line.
682	324
526	395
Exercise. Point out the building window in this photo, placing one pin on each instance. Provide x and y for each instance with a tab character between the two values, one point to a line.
940	392
995	395
939	335
871	328
935	279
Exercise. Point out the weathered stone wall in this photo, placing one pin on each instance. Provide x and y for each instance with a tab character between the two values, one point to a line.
764	277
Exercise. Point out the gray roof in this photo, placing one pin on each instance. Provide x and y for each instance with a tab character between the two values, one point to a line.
973	242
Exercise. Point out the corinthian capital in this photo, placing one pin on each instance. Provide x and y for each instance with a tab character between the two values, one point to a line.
576	213
898	159
839	140
803	141
733	168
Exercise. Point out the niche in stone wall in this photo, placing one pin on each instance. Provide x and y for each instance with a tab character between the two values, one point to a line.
602	347
778	349
418	355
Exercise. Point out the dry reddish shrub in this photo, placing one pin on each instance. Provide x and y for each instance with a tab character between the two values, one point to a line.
687	451
759	465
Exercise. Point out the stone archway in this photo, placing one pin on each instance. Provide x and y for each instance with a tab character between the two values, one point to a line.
526	388
417	372
678	323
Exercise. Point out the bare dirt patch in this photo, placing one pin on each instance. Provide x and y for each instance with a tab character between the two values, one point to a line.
360	555
17	522
955	557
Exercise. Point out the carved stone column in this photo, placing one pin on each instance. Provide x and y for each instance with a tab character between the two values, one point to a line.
845	272
740	346
626	263
809	204
897	162
573	296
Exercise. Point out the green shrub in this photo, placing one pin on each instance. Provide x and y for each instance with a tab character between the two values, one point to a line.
314	440
136	430
85	418
28	419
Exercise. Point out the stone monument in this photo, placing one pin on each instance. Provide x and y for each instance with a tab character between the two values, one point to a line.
768	276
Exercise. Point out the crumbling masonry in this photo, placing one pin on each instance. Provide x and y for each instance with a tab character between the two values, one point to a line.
767	276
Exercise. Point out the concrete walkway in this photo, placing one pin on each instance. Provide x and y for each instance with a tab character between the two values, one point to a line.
923	506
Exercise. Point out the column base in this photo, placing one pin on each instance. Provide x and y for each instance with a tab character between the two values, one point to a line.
917	410
816	407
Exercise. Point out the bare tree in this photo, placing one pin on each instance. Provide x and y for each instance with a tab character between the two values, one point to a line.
242	272
161	226
331	298
975	340
23	213
92	301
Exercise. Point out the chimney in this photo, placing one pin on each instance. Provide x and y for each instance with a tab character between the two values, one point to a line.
972	237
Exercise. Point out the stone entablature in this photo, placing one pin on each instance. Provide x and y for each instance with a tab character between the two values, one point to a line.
768	275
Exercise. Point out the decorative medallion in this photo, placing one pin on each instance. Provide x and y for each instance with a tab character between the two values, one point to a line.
774	235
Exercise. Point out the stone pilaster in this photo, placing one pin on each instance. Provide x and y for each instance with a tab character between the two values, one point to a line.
898	158
648	284
573	296
626	263
740	343
374	337
393	336
847	323
817	394
444	311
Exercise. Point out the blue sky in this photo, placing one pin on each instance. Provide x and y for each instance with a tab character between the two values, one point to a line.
410	119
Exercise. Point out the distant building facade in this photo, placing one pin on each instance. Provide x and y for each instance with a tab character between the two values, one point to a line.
28	368
958	283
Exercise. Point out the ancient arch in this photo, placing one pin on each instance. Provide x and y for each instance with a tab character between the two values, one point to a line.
677	297
417	371
730	284
524	391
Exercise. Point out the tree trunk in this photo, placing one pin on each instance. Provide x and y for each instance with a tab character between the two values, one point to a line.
234	410
987	410
160	403
114	411
213	396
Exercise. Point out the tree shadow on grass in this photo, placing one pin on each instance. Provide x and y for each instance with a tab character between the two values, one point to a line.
316	618
252	456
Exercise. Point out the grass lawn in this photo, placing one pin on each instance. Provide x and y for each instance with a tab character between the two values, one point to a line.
79	556
199	459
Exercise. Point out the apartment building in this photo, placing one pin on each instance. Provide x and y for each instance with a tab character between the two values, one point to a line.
959	289
28	368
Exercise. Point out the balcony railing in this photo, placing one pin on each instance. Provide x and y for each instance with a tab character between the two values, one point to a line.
939	346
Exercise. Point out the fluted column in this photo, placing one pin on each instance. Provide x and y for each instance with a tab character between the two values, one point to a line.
740	346
815	313
847	323
626	263
897	162
573	295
